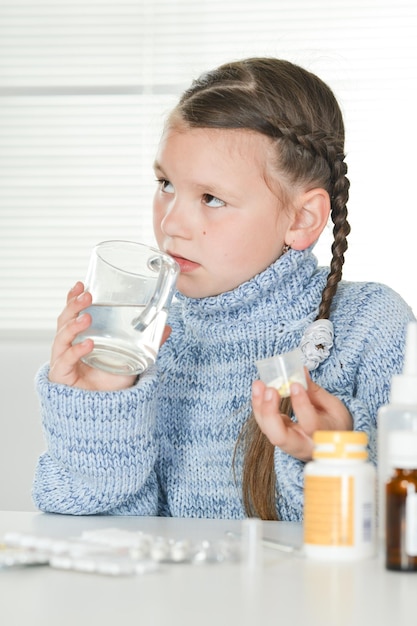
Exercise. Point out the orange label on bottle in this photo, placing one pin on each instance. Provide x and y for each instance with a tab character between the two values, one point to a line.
329	510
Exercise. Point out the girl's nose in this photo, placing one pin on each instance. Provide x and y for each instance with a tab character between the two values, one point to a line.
176	220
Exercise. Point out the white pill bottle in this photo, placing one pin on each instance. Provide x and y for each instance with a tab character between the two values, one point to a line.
339	498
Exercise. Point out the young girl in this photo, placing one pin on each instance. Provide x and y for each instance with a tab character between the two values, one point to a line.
249	167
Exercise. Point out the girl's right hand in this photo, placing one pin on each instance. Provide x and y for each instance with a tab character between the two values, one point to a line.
315	408
66	367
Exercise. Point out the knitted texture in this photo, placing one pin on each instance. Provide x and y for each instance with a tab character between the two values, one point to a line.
166	446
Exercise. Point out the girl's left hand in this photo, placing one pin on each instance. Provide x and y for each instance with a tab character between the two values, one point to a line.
315	408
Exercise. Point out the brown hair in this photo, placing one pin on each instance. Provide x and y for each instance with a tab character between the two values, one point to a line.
300	114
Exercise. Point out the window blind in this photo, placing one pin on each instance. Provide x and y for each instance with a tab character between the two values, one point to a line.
84	89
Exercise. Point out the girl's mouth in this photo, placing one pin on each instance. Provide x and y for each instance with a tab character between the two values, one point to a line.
186	265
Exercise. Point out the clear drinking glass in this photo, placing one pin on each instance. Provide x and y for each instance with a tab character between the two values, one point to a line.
132	286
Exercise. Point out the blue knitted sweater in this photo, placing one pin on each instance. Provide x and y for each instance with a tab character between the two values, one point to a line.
166	445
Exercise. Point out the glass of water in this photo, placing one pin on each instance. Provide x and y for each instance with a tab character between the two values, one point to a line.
132	286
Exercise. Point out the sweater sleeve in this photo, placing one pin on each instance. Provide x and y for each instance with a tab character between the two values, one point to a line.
101	449
373	352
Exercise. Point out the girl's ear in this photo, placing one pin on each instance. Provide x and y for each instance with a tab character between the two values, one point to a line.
310	218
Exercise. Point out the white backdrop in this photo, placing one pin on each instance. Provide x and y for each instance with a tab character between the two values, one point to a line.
85	86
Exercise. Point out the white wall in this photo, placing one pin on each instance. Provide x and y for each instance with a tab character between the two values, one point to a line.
85	86
366	51
21	439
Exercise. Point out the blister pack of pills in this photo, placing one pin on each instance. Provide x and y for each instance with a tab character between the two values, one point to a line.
112	551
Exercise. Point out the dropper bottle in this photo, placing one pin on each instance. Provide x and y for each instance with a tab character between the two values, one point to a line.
399	414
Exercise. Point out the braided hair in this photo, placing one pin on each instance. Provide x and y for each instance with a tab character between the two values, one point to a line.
301	116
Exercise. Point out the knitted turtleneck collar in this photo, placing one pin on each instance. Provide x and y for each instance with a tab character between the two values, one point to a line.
279	283
286	293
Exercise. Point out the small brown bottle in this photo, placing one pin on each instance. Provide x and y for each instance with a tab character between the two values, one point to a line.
401	502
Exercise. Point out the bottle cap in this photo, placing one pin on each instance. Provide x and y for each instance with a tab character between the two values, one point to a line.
402	449
404	386
340	444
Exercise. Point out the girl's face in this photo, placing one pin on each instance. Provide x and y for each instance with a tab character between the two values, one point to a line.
213	210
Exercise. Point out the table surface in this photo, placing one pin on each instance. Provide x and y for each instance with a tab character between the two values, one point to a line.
282	589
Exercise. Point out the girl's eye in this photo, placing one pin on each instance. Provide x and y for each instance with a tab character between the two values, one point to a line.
212	201
165	186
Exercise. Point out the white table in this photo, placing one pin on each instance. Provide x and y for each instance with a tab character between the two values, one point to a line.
285	589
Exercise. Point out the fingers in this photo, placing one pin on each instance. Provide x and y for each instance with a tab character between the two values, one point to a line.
303	406
277	427
265	404
166	334
266	401
65	337
66	366
70	322
314	409
75	291
317	409
77	300
62	368
64	355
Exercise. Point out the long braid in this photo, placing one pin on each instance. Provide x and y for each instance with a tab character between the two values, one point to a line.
341	230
